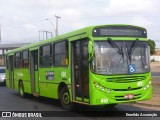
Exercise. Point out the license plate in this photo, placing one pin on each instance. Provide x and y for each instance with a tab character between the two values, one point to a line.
129	96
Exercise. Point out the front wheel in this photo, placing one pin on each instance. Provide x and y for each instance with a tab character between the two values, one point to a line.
65	99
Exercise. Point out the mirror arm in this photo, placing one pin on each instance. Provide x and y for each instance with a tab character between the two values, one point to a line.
90	49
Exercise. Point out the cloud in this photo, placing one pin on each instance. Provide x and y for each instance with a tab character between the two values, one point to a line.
29	26
23	19
136	12
141	21
130	7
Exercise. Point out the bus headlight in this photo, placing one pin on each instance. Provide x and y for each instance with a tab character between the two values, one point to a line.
108	90
147	86
97	85
103	88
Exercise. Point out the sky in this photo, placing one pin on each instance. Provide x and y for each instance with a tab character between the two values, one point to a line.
21	20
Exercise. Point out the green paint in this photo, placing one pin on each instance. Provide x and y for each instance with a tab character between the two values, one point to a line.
103	89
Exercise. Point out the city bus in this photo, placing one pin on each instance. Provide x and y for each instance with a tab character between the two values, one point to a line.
96	65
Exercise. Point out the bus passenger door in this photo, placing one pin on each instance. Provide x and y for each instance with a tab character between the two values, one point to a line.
11	72
80	79
34	74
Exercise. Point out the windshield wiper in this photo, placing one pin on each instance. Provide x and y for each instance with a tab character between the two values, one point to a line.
133	46
114	45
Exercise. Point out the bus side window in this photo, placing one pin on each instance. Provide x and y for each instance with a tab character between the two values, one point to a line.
45	56
17	60
25	59
60	53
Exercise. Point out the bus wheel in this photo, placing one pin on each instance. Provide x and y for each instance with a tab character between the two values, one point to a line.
65	99
21	90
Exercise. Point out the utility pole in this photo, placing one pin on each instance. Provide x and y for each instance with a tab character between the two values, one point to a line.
52	25
44	35
57	17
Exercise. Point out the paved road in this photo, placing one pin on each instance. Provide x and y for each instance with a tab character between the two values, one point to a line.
155	70
155	74
11	101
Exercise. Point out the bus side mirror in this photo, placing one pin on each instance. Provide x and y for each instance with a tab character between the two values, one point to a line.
90	49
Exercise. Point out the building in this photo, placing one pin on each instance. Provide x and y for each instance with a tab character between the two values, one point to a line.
6	47
155	56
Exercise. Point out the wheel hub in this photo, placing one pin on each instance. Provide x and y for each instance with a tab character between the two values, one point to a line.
66	98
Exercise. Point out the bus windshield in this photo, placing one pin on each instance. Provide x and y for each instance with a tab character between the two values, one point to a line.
122	57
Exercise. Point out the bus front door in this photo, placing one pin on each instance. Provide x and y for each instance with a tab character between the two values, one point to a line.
80	79
34	72
11	72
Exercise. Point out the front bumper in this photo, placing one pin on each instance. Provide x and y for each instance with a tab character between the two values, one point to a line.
100	98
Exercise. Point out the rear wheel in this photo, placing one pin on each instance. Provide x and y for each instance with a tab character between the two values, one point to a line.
21	90
65	99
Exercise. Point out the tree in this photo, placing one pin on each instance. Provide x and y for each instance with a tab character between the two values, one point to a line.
152	45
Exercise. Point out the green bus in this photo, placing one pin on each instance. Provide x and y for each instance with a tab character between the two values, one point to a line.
96	65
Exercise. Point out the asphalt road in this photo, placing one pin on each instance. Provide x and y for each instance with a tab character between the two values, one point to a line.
155	74
11	101
155	70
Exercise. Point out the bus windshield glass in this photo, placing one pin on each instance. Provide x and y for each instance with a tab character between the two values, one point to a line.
122	59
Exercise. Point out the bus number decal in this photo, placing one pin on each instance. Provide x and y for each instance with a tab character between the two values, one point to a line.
63	74
105	100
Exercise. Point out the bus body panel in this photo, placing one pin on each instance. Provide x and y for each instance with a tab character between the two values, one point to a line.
48	80
118	90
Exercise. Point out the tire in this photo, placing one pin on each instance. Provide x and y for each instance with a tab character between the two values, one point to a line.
65	99
21	90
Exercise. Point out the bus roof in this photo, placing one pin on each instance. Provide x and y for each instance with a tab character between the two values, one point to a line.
86	30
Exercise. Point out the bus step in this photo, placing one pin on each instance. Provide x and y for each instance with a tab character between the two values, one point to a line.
36	94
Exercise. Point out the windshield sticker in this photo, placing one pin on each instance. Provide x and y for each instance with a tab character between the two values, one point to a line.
49	75
132	68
